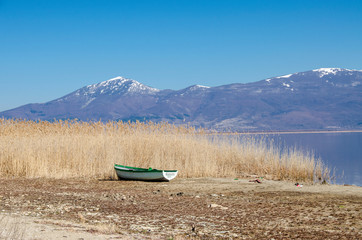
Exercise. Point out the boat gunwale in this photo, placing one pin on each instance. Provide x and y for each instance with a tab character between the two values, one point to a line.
136	169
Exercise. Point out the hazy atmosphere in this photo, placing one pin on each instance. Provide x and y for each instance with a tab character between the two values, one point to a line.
51	48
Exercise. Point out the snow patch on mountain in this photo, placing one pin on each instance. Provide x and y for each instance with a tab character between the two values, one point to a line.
116	85
285	76
333	71
327	71
192	89
320	71
286	85
197	87
88	102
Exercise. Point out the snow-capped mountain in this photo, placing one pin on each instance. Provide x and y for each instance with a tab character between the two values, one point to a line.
325	98
335	77
118	86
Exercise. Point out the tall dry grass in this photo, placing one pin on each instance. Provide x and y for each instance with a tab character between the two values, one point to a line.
65	149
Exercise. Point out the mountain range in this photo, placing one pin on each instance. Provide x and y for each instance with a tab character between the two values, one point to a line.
321	99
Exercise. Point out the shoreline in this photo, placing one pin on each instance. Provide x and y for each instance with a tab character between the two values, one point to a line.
195	208
290	132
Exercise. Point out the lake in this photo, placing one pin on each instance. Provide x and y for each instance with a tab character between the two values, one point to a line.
341	151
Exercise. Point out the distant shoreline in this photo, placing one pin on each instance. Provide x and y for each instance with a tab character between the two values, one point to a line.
294	132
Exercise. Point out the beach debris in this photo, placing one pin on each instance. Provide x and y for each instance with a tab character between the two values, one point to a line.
255	180
179	194
298	185
214	205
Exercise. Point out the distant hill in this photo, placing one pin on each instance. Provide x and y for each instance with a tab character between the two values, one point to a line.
321	99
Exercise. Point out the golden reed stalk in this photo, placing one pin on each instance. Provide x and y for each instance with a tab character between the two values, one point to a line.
66	149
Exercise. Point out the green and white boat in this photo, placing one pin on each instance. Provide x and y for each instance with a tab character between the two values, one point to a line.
144	174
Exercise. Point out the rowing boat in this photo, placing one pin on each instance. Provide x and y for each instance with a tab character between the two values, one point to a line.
144	174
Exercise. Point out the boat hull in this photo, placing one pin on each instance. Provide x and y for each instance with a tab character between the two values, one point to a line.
143	174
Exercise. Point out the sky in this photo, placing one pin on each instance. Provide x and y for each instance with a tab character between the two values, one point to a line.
51	48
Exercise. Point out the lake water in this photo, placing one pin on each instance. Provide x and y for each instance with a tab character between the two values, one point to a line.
340	151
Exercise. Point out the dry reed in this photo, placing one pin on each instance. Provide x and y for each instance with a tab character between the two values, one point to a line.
65	149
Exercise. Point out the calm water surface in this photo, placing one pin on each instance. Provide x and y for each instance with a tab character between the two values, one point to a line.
339	151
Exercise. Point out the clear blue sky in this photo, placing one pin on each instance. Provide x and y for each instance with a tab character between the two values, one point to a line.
50	48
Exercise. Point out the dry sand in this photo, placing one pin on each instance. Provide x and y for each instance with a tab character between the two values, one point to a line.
205	208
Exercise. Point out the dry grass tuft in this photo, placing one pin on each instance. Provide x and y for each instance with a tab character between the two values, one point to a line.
65	149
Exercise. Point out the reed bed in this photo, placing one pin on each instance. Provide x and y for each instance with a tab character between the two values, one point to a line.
67	149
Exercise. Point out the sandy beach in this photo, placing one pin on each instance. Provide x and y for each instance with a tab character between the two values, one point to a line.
197	208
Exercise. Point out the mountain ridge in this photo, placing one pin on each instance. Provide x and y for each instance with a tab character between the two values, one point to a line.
325	98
